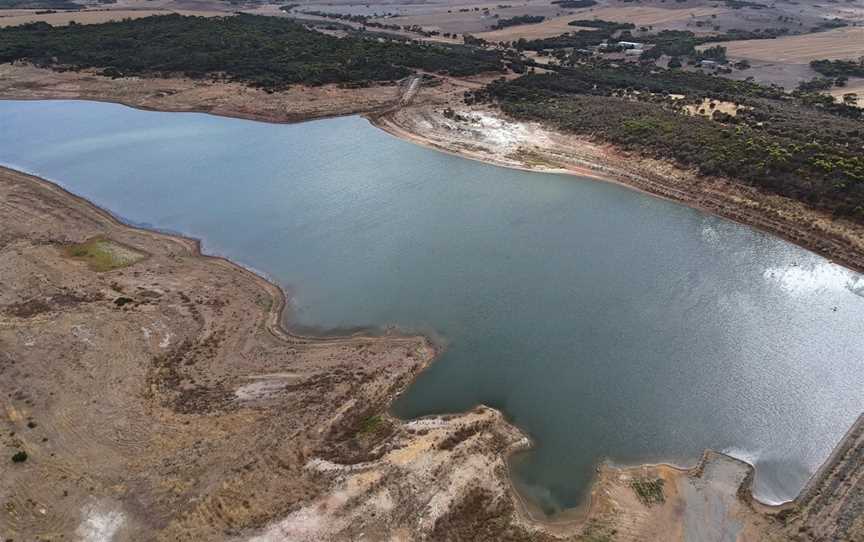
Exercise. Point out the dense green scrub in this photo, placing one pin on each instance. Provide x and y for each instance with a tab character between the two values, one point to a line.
801	146
263	51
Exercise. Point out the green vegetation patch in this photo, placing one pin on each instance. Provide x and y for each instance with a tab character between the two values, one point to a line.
649	491
19	457
370	425
103	255
598	531
267	52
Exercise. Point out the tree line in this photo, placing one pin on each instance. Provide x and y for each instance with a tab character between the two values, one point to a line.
267	52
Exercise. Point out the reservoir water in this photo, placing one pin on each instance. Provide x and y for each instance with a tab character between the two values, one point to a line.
605	323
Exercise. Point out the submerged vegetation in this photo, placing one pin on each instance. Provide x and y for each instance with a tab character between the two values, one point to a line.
267	52
803	146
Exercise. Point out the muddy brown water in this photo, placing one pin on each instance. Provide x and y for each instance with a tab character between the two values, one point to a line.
605	323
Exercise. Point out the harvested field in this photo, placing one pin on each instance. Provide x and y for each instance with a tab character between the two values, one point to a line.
95	16
547	29
448	18
842	43
648	15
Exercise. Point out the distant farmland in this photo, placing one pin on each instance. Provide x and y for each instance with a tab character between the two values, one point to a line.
547	29
646	15
63	18
834	44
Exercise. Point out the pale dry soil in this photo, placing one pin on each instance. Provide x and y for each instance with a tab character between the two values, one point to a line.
295	104
855	85
183	94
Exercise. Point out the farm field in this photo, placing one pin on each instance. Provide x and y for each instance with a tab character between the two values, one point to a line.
842	43
449	18
92	16
649	15
547	29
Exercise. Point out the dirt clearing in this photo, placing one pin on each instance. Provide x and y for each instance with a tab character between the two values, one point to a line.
855	85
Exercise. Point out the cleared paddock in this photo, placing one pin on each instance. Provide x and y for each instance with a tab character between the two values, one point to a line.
842	43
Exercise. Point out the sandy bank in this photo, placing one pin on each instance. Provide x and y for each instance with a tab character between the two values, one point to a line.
178	94
235	100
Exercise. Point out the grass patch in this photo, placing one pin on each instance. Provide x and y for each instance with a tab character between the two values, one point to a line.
532	158
595	531
649	491
102	254
370	425
19	457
